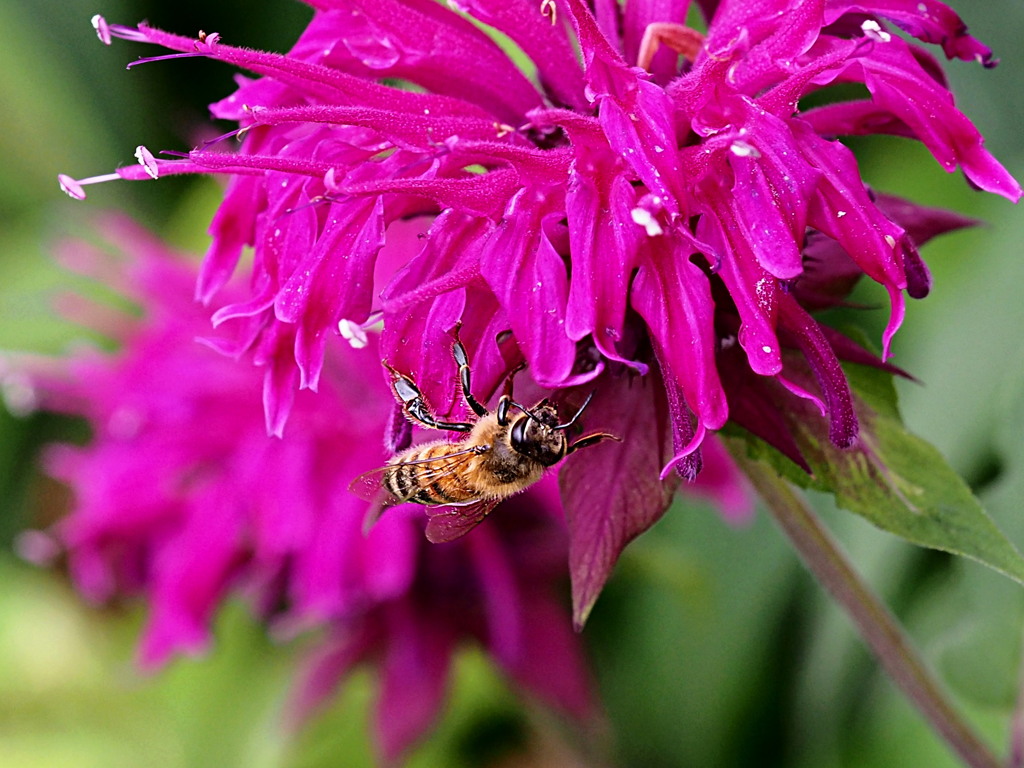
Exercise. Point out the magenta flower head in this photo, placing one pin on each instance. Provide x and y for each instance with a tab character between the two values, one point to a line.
182	498
650	213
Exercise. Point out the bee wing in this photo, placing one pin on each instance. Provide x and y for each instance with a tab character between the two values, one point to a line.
452	521
369	485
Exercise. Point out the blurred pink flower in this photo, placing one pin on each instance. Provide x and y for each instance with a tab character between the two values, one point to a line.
182	498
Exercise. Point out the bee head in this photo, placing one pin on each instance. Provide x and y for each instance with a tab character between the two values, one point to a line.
537	435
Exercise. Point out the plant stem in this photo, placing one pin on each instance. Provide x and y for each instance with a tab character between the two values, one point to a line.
1016	759
877	626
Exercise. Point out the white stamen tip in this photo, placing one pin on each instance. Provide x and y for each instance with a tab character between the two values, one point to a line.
102	28
840	214
147	161
331	182
70	187
873	30
743	149
644	218
353	333
549	9
891	241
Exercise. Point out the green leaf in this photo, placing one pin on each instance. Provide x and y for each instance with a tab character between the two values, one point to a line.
891	477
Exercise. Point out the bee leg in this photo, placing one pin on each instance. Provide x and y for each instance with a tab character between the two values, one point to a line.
415	407
505	401
593	439
462	361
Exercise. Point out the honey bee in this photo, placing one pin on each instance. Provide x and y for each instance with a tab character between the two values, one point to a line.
505	451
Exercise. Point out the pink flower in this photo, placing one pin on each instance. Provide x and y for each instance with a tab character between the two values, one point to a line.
652	232
182	498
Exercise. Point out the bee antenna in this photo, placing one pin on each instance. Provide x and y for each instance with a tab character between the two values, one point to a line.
525	410
576	415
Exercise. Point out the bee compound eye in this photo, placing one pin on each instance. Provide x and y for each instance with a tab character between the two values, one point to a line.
518	436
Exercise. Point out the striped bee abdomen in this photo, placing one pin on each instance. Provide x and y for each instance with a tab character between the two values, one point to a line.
430	475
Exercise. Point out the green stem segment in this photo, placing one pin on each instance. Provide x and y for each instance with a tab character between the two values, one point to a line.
1016	759
880	630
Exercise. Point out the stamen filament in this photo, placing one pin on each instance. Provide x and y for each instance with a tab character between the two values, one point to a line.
165	57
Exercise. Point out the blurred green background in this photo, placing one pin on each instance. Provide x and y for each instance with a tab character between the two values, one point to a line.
712	646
